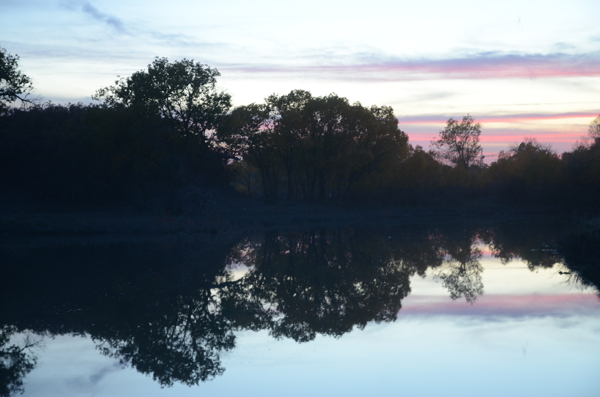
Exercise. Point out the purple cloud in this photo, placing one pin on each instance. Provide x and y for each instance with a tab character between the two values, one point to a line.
486	65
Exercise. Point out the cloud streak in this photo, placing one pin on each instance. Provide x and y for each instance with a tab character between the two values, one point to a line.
96	14
504	118
110	20
87	385
486	65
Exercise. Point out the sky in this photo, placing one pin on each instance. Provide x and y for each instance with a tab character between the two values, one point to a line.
522	69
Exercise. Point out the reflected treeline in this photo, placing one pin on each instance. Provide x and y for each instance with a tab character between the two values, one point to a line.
149	304
170	309
17	359
461	273
322	281
581	251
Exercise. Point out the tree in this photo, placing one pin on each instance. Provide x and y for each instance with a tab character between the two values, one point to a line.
594	129
14	85
247	132
526	171
459	142
317	147
182	92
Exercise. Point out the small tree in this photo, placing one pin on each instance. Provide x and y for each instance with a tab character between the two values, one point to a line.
594	129
14	85
182	92
458	143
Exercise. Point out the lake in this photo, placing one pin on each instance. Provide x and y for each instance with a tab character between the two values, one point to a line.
416	310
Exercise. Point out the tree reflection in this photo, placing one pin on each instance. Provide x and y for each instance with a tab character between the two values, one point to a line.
148	305
182	345
171	309
16	361
322	282
531	243
581	251
461	271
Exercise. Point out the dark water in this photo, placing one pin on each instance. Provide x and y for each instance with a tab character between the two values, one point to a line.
420	310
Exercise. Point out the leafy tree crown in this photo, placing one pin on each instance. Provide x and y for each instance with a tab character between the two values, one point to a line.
458	143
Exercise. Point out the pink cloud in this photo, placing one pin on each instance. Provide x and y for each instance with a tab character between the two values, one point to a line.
421	129
479	66
502	305
541	137
507	138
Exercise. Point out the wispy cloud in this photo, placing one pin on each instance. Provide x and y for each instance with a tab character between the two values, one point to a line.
88	383
102	17
485	65
503	118
90	10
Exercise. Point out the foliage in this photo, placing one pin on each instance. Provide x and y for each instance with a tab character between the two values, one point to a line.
15	361
594	129
417	179
461	271
527	171
458	143
163	137
581	169
94	154
183	92
14	85
171	308
316	147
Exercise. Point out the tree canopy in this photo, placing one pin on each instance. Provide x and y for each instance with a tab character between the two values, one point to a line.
14	84
316	147
163	137
183	92
459	142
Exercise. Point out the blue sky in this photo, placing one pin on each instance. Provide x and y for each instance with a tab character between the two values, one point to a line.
513	65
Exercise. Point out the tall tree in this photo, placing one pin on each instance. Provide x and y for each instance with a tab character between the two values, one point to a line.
459	142
14	85
183	92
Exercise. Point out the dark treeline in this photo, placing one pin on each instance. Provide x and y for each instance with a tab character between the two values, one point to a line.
94	154
170	308
166	139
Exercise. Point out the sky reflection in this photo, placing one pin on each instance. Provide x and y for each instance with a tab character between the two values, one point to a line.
531	333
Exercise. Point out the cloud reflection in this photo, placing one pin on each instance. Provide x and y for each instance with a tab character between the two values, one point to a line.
509	306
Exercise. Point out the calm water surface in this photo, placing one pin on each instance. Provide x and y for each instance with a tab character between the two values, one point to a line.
412	311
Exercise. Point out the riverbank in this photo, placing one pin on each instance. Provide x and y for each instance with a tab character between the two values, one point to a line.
232	214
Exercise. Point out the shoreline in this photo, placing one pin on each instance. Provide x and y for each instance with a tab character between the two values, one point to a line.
253	215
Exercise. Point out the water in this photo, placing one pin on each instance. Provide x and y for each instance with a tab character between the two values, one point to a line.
417	310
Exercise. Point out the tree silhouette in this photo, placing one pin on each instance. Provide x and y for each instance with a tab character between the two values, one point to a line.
183	345
183	92
170	310
594	129
459	142
316	147
461	271
527	170
14	85
323	282
16	361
